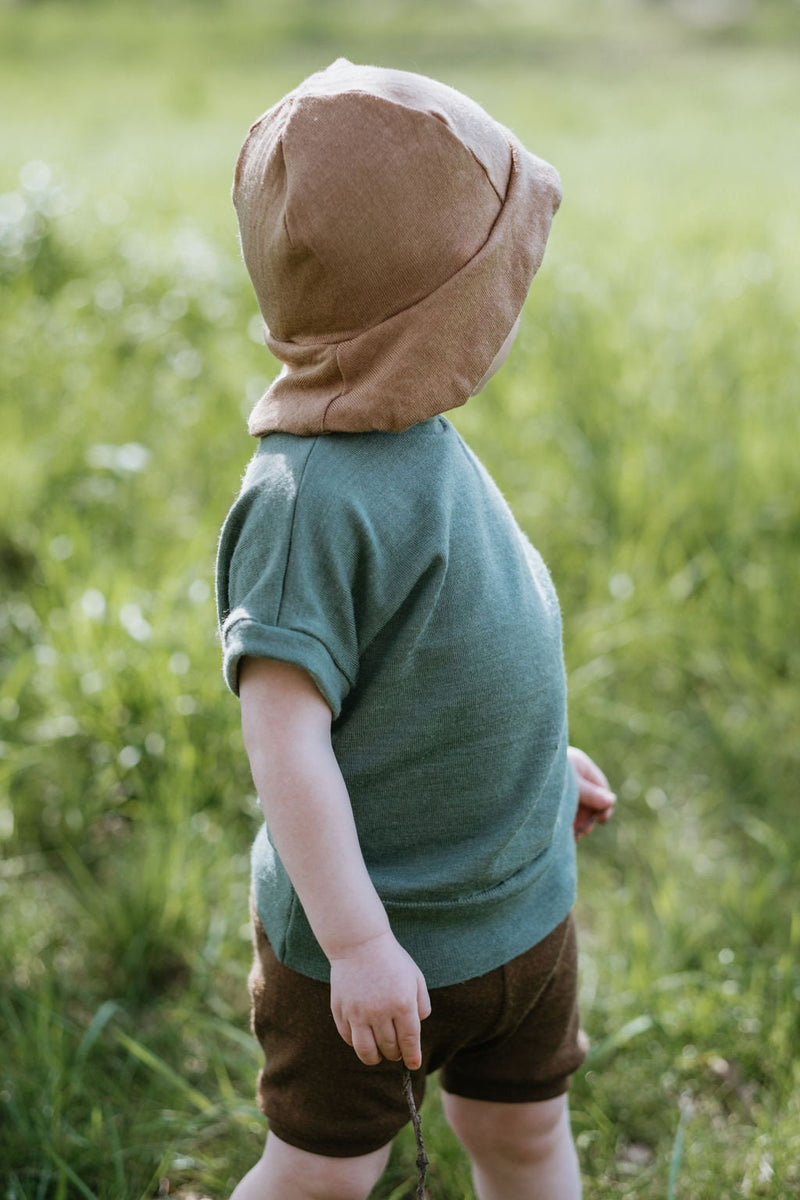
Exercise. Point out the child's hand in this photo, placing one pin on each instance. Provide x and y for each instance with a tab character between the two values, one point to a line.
378	999
595	799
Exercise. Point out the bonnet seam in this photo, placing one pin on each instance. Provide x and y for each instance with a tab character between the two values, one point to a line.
340	393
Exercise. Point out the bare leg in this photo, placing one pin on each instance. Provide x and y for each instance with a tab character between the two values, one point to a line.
285	1173
518	1151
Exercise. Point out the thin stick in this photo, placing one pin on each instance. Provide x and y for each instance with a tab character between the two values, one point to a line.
422	1158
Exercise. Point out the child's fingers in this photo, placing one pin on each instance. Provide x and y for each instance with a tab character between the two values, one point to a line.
584	823
343	1027
593	773
586	767
408	1035
387	1040
364	1044
595	796
599	807
423	1000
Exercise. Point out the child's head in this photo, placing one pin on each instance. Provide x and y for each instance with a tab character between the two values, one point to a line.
391	229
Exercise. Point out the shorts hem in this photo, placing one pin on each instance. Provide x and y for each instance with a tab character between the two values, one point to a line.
507	1093
325	1149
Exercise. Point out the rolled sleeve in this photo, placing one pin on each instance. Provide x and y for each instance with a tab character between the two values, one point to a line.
243	635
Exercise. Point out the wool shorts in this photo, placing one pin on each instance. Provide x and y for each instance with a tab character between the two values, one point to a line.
511	1036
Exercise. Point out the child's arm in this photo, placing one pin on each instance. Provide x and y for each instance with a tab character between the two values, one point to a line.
595	799
378	994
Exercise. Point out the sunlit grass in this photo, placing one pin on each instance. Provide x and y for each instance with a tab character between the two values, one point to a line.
644	432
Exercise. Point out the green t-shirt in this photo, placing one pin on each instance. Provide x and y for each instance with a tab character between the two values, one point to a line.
389	566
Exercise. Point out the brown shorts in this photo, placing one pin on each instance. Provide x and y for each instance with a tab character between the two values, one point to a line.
511	1036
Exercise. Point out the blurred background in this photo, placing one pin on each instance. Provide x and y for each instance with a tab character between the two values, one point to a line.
645	431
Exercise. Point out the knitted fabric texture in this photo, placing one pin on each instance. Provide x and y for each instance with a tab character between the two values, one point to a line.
389	567
391	229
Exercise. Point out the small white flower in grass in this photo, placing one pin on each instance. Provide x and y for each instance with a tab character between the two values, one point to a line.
186	362
765	1169
129	756
76	293
195	257
109	295
132	457
54	202
182	1162
129	458
179	663
91	683
186	705
140	322
63	726
93	603
655	798
36	176
256	385
198	591
215	308
13	209
154	743
61	548
255	329
23	617
132	621
621	586
173	305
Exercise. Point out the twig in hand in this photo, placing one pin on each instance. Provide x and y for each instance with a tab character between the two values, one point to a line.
422	1158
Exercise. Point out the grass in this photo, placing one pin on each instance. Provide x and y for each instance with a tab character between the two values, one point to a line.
643	431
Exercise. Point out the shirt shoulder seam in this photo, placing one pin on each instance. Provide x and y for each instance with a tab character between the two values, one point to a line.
290	539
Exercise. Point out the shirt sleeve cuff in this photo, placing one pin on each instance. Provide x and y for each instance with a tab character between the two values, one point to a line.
243	636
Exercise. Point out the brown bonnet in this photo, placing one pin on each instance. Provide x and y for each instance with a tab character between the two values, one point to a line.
391	229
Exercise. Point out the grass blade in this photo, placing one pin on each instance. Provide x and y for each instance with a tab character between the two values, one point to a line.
67	1171
677	1148
156	1064
95	1027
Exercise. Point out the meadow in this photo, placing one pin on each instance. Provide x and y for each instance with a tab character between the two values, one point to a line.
645	432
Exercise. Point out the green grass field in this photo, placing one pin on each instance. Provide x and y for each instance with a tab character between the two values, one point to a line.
645	431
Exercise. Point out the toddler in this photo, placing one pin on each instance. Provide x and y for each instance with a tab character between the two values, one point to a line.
395	642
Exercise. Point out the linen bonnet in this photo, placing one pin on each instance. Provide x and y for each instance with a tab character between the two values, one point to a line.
391	229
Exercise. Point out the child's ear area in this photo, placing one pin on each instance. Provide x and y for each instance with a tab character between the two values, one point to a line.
499	358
